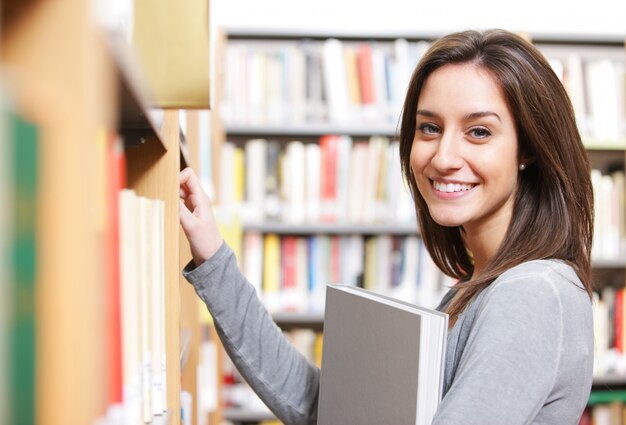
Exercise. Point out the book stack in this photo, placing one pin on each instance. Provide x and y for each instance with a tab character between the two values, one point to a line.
142	291
291	272
338	180
609	242
330	81
598	94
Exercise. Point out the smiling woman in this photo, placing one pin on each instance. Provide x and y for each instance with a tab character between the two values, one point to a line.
464	156
501	184
487	110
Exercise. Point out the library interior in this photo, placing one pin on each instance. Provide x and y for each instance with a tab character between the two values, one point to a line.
289	114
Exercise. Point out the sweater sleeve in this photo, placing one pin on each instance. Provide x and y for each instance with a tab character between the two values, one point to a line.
286	382
510	362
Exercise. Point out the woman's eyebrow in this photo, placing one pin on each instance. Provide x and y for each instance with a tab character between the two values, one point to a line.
426	113
467	117
481	114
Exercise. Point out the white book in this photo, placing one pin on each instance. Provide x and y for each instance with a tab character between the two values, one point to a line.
371	179
294	182
596	183
429	287
256	85
382	360
403	69
344	147
129	297
144	307
335	81
155	305
273	79
253	259
205	153
296	79
603	99
575	85
312	168
226	175
353	254
255	155
608	219
380	84
358	174
162	290
601	333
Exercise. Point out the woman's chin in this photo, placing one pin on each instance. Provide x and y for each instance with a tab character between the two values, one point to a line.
447	220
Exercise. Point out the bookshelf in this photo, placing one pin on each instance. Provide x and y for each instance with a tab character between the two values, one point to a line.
82	88
303	119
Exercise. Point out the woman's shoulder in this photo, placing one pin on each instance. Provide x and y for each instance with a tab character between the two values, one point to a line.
541	282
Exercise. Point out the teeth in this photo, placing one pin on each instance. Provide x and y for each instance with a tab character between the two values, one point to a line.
452	187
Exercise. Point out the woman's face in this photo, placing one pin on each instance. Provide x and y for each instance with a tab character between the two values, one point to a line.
464	154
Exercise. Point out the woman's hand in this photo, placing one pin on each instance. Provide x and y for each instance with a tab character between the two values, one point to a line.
197	219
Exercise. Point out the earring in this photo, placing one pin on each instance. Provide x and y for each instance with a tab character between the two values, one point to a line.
522	167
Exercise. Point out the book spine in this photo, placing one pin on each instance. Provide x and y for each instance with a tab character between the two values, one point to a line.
22	327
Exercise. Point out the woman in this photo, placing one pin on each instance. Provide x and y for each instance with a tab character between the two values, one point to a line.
501	184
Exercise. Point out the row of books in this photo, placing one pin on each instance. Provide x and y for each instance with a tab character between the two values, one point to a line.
606	408
609	309
142	306
306	81
290	272
19	188
609	241
135	298
336	180
598	93
297	82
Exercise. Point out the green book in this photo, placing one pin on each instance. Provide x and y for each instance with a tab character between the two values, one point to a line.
21	326
605	397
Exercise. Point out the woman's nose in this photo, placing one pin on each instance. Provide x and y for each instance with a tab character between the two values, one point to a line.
448	155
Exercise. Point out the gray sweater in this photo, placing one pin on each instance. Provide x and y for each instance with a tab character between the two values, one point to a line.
520	353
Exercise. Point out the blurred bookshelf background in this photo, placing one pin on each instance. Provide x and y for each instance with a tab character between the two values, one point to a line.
289	113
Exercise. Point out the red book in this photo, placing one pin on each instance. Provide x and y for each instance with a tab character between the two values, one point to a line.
328	177
116	175
335	260
366	73
585	419
288	248
617	317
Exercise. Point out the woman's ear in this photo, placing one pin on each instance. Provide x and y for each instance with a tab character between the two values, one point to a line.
525	160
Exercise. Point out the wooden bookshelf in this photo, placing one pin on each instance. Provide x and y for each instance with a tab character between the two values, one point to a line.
77	84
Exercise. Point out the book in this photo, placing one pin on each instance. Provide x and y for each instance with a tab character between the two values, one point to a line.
23	151
382	360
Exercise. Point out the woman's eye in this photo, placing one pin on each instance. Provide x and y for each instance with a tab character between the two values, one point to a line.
480	133
429	128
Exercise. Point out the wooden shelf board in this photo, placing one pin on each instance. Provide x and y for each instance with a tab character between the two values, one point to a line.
136	121
310	129
332	228
609	380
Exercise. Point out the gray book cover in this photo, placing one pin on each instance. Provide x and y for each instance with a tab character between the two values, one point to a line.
373	347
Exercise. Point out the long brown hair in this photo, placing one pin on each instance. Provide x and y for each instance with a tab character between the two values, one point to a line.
553	210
